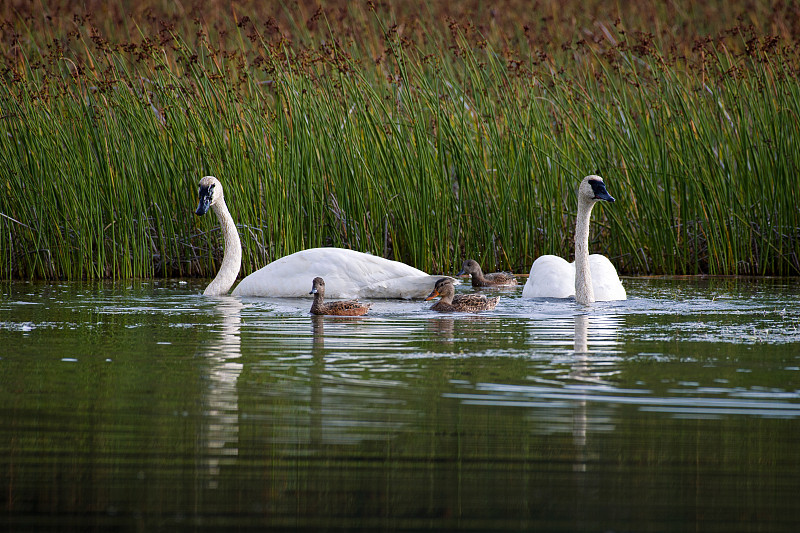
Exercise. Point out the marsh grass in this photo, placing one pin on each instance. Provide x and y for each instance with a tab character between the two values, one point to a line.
424	142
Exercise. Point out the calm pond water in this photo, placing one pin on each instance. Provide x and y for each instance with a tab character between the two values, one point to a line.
145	407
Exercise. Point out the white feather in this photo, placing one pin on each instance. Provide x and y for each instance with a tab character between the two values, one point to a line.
347	274
554	277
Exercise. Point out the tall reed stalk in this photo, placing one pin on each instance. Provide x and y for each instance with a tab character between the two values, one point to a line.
423	143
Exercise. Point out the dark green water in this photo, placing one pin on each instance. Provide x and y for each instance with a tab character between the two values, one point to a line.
146	407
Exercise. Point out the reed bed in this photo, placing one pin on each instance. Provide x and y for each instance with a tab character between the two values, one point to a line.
401	130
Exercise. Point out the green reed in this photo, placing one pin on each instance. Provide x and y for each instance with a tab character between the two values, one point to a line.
445	147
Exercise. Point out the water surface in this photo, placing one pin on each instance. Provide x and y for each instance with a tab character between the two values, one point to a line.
143	406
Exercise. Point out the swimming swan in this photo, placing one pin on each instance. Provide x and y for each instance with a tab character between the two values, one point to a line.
349	274
596	279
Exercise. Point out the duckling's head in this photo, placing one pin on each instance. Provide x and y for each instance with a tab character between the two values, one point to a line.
317	286
470	266
443	287
210	193
593	189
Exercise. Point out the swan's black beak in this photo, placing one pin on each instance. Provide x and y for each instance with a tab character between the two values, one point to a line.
600	192
205	201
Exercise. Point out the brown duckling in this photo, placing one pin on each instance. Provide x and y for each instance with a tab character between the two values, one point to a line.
479	279
341	308
449	302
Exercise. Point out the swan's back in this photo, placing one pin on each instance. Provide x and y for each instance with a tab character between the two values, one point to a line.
347	273
605	281
553	277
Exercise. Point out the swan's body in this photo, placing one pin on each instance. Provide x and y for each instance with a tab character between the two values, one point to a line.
479	279
449	302
349	274
554	277
591	277
340	308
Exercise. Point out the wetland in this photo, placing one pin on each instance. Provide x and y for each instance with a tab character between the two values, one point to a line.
144	406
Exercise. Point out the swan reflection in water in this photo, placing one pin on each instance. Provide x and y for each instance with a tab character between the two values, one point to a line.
579	371
604	332
581	345
219	437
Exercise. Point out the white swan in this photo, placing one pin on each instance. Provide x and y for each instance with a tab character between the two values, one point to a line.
347	273
596	279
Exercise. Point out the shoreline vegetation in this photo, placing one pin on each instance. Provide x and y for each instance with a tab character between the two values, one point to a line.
410	130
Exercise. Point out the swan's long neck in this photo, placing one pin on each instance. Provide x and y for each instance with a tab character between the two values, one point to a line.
232	258
584	291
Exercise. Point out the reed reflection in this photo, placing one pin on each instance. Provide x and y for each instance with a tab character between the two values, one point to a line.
219	438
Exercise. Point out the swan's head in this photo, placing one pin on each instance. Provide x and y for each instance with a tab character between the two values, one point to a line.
593	189
210	193
470	266
317	286
443	287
